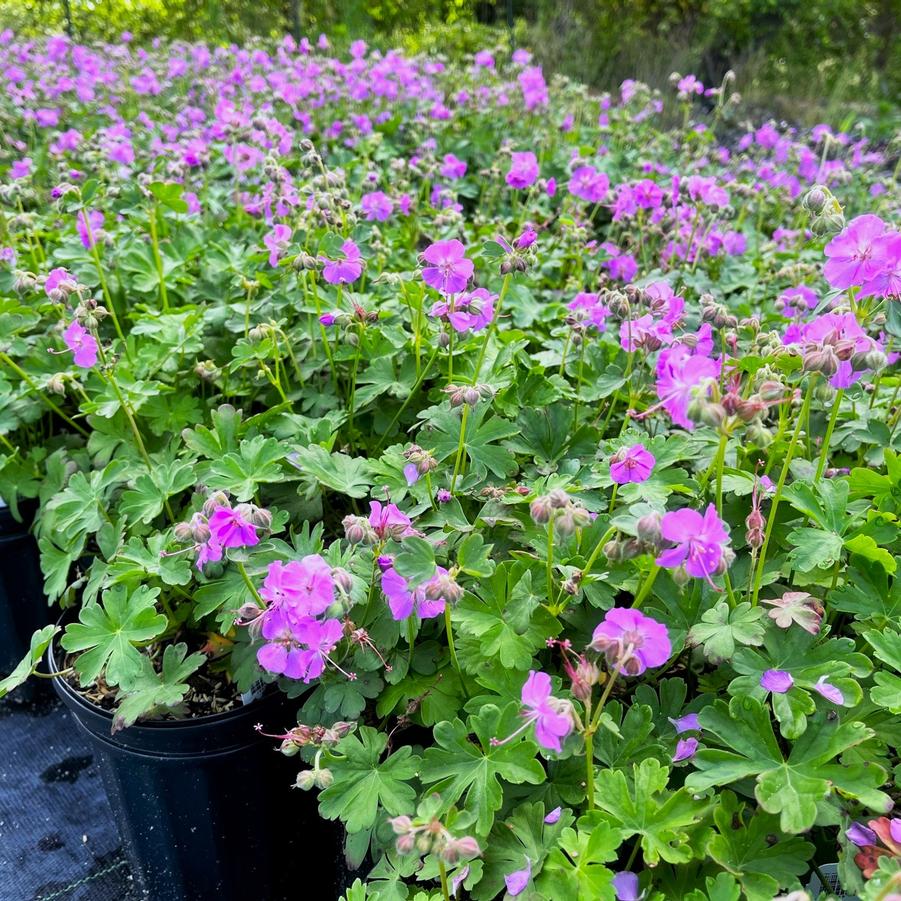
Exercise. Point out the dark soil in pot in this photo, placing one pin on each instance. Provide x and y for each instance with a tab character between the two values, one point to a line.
204	806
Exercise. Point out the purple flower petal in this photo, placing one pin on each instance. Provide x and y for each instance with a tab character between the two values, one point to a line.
828	691
517	881
626	886
776	680
687	723
685	749
861	835
553	816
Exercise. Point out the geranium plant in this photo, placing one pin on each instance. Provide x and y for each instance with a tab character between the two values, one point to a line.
542	446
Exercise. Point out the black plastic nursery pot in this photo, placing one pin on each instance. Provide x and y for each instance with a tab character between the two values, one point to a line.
205	808
23	605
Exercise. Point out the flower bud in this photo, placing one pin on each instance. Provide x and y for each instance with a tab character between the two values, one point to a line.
771	390
401	825
648	528
759	435
815	199
460	848
680	576
613	550
541	510
581	516
423	843
261	518
306	779
751	408
355	530
584	676
565	523
754	538
206	370
731	403
821	360
444	587
216	500
558	498
405	843
844	349
471	395
57	384
183	532
712	414
343	579
323	778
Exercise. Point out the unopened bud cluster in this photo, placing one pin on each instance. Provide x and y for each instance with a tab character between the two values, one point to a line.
430	836
467	394
566	513
826	215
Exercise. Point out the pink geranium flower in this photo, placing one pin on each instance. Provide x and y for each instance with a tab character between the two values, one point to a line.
452	167
61	282
777	681
472	311
887	280
852	257
551	716
345	270
517	881
589	184
631	641
388	522
700	541
301	587
679	376
297	651
229	528
592	308
377	206
277	242
523	171
405	600
449	269
82	344
633	464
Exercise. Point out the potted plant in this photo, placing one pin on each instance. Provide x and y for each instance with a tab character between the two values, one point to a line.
520	492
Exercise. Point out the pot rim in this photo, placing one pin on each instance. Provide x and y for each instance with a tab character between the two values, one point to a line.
63	687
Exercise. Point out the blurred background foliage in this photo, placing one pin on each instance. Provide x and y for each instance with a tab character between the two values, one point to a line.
804	60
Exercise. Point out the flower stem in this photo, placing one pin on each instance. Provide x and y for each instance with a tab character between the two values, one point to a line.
458	463
326	346
592	727
559	606
550	559
720	463
492	329
250	586
30	382
95	254
613	497
824	453
158	260
139	441
452	647
411	639
442	873
646	587
589	768
771	519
